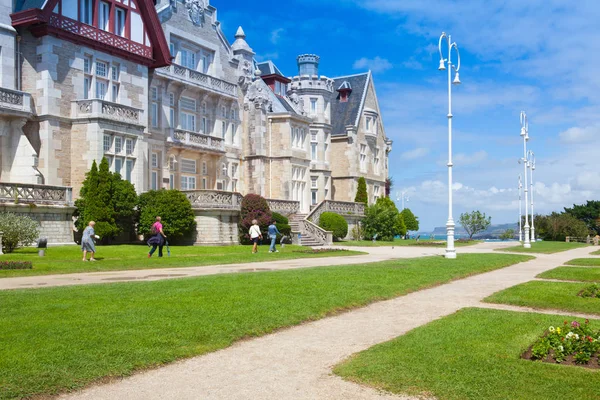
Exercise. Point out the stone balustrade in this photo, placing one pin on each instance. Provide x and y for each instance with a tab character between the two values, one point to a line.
35	194
214	199
198	79
194	139
284	207
98	108
15	101
344	208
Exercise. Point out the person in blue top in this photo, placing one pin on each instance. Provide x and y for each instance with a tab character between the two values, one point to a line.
273	232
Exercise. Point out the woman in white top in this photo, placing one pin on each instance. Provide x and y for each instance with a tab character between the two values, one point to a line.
255	235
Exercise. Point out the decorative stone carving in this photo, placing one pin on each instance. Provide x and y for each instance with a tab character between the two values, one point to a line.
196	10
297	101
11	97
258	95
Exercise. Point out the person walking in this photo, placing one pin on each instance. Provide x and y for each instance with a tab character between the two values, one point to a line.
158	238
273	232
87	241
255	235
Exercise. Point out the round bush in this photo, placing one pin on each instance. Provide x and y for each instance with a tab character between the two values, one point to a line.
18	230
335	223
281	219
175	210
255	207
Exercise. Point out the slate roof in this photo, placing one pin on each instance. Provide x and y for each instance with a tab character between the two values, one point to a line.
268	68
343	114
21	5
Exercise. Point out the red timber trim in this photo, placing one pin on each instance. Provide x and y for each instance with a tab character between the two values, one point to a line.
276	77
160	56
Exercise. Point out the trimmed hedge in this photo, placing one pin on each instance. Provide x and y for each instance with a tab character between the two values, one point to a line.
335	223
15	265
281	219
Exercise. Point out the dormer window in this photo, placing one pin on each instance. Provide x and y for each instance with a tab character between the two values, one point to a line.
344	90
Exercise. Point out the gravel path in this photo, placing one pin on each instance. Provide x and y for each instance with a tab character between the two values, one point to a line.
296	363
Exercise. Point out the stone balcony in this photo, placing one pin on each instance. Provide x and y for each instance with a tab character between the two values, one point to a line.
196	140
107	110
199	80
15	103
35	194
214	199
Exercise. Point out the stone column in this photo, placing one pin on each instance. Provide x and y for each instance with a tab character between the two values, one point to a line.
1	233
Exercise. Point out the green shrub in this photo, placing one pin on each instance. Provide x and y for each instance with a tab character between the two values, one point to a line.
17	230
411	222
285	229
335	223
281	219
173	206
361	192
255	207
384	220
15	265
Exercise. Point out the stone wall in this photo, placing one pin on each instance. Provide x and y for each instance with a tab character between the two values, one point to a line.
56	222
216	227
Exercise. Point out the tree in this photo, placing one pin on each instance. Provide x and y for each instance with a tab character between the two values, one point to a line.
384	220
17	230
557	226
474	222
588	213
361	191
173	206
507	234
411	222
106	199
255	207
334	222
389	183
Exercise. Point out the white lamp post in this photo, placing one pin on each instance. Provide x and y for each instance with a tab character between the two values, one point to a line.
520	213
525	135
450	250
531	158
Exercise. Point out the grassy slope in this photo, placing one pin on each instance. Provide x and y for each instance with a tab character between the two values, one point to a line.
548	295
544	247
64	338
572	274
592	262
409	242
67	259
473	354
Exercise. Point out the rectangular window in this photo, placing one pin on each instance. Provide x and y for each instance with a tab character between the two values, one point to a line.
188	59
224	112
87	65
118	144
219	185
368	124
204	128
277	87
101	69
234	185
172	164
313	197
85	11
172	49
154	160
313	151
154	93
154	114
188	166
100	89
171	99
120	22
313	106
171	118
204	186
233	133
107	144
118	165
128	170
171	181
187	121
188	182
314	182
104	16
234	169
206	60
154	184
204	168
115	93
114	72
128	146
87	83
363	157
376	161
375	193
188	104
223	129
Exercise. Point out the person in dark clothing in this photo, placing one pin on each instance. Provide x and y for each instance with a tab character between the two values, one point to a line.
158	238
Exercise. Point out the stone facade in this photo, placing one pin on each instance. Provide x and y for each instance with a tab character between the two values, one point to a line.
56	222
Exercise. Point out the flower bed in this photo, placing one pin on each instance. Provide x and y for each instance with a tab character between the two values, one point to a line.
571	344
592	291
319	251
15	265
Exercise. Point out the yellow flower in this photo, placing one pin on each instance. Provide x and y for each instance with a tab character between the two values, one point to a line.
557	330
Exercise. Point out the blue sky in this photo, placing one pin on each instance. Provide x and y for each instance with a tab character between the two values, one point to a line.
537	56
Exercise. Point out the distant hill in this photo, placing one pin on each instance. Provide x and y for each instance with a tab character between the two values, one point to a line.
493	232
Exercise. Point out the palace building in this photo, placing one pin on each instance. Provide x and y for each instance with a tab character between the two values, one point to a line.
157	89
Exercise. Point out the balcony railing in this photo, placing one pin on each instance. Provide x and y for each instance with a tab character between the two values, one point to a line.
214	199
177	72
99	35
35	194
339	207
97	108
14	100
286	207
188	138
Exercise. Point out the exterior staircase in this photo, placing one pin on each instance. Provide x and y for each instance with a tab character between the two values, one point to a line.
307	239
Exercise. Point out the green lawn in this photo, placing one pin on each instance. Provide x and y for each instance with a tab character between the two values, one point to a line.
56	339
399	242
596	253
67	259
591	262
544	247
473	354
572	274
548	295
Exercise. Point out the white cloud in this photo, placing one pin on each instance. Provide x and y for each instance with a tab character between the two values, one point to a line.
276	35
414	154
267	56
470	159
376	64
412	63
578	135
